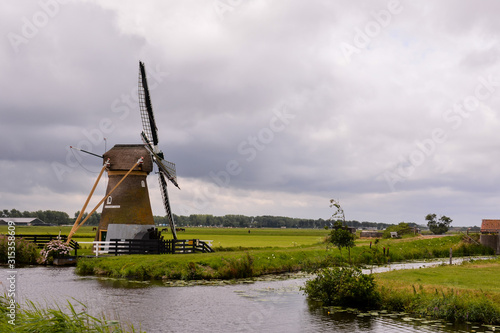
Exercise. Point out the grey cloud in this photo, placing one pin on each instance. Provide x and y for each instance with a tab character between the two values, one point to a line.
222	81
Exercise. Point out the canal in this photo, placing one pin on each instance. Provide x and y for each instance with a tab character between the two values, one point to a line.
267	305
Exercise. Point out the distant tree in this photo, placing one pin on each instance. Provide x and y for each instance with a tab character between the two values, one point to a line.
15	213
340	236
474	229
160	220
440	226
94	219
339	211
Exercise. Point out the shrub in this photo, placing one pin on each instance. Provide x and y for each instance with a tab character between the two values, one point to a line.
26	252
341	237
345	286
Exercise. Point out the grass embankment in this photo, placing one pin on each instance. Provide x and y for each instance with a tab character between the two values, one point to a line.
463	293
207	266
32	318
257	262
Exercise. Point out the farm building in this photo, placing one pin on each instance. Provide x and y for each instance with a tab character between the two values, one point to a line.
23	221
490	226
490	234
371	234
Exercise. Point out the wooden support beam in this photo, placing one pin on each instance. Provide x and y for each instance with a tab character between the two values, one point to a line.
105	197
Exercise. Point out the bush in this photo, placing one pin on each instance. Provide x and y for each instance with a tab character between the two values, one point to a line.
26	252
345	286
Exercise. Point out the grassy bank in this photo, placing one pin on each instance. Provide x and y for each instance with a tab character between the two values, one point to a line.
207	266
464	293
32	318
257	262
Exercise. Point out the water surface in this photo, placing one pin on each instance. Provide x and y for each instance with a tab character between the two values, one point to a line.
263	306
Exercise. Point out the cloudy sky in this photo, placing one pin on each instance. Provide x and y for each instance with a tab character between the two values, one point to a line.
266	107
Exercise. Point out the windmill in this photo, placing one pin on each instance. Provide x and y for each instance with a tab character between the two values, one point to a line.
126	213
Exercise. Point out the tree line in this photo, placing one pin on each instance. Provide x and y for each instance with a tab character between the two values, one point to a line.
205	220
51	216
265	221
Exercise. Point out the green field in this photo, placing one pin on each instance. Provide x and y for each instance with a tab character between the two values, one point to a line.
83	232
238	237
220	237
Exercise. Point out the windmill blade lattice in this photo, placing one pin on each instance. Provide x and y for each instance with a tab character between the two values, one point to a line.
150	138
166	203
167	167
147	116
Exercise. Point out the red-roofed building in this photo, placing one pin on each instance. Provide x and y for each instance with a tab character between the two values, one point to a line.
490	226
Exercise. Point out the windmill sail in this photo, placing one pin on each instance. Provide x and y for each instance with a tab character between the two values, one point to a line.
166	203
147	116
167	167
150	138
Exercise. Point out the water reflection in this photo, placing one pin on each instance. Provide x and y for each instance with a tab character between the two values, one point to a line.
263	306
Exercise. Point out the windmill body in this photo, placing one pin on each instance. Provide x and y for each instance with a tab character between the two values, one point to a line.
126	213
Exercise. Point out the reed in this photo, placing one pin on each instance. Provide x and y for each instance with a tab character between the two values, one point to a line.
444	304
33	318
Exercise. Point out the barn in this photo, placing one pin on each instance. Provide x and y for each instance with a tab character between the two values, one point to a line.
490	226
489	234
24	221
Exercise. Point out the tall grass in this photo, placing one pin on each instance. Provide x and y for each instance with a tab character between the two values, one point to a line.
449	305
33	318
